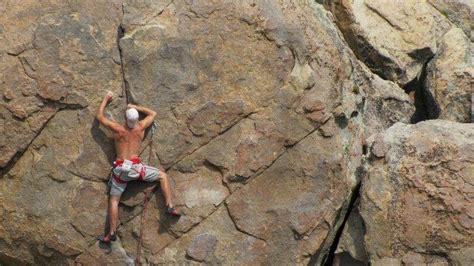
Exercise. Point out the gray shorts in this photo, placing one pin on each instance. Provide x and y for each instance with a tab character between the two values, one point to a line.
139	171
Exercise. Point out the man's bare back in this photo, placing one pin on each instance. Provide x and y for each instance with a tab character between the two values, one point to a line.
128	142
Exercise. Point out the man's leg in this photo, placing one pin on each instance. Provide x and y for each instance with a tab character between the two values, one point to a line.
165	188
151	175
113	214
116	191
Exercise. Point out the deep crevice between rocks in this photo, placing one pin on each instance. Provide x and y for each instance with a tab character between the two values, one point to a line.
329	258
426	107
126	86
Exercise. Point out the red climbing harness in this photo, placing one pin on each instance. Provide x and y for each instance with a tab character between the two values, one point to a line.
120	162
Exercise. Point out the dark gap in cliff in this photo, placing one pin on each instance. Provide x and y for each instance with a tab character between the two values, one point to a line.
328	260
342	121
426	106
345	258
367	54
126	86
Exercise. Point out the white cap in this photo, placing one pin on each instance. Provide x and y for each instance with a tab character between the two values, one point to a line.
132	117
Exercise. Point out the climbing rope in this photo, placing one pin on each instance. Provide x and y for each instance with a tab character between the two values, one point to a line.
147	195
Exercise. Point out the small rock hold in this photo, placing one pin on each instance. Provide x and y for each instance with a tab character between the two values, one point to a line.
328	129
311	104
378	147
319	116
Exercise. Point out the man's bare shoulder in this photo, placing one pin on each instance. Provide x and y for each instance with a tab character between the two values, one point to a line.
118	128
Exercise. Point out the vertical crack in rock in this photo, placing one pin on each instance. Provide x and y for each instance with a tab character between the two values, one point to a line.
426	106
126	86
338	228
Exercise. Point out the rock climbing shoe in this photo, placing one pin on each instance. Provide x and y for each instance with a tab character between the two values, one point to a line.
173	212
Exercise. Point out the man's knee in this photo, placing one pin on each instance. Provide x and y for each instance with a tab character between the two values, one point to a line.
114	199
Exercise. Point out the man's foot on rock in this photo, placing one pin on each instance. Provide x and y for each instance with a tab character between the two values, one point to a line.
105	242
107	238
173	212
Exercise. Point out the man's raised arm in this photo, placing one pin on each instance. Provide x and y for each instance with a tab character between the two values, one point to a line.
101	117
150	115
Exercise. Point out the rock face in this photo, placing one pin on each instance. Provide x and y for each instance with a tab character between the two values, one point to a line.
245	160
55	61
394	38
459	12
351	249
417	200
52	57
263	116
450	76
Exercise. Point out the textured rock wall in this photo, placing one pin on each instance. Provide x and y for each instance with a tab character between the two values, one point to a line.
264	111
417	200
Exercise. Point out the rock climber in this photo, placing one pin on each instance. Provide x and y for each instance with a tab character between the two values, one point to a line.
128	166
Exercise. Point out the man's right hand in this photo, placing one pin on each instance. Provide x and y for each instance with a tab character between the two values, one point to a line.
108	96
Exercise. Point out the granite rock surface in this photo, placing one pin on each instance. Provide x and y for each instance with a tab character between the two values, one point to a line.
269	117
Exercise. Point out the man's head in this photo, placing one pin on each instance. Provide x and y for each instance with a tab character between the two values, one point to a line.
132	117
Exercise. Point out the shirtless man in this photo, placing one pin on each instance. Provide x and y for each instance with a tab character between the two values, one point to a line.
127	167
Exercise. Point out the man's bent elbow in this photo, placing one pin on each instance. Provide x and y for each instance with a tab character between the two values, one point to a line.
100	118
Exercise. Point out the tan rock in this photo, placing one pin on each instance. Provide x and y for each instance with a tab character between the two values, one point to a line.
53	55
416	201
223	244
262	104
49	197
450	77
459	12
262	112
393	38
100	254
351	249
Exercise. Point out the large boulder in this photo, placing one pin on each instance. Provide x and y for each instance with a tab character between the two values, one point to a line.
450	75
259	106
394	38
262	114
417	200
